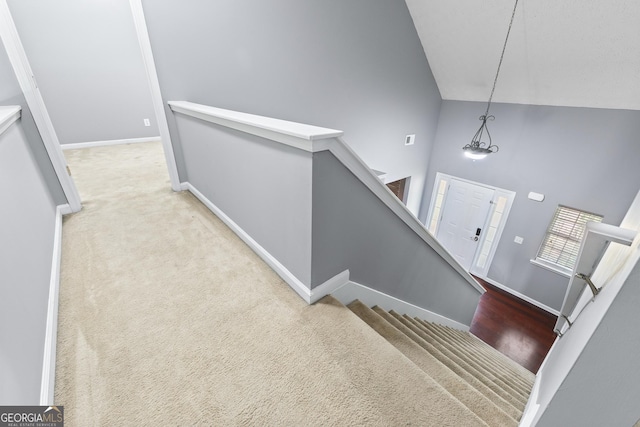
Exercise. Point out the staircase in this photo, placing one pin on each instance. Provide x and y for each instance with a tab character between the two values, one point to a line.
491	385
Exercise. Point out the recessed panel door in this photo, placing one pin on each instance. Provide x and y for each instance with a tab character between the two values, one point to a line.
464	215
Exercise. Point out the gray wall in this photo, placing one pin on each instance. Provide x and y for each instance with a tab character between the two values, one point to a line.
590	376
355	65
263	186
353	229
580	157
27	219
11	94
87	61
602	388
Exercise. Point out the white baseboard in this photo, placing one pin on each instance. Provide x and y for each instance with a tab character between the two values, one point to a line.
330	286
370	297
522	296
76	145
51	334
65	209
297	285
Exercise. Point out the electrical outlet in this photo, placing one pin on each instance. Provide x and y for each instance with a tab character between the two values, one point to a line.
409	139
518	240
147	122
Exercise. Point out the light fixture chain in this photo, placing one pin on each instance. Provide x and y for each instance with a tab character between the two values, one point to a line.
513	14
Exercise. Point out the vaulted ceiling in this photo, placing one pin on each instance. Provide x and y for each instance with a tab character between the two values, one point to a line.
582	53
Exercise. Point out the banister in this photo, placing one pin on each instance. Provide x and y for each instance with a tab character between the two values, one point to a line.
315	139
596	234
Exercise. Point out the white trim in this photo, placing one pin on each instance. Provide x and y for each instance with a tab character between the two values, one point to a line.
297	135
8	115
77	145
51	333
300	288
330	286
497	192
65	209
522	296
26	79
371	297
154	86
552	268
382	176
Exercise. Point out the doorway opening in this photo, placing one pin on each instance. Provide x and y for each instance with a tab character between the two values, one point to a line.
400	189
468	218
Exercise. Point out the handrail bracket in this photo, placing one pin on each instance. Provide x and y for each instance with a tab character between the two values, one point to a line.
588	281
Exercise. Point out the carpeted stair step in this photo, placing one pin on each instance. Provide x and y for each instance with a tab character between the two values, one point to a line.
488	354
511	407
500	375
489	380
479	345
496	363
493	358
478	403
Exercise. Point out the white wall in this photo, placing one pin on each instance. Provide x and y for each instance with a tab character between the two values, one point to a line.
87	62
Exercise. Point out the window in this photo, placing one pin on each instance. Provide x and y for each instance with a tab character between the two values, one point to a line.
563	238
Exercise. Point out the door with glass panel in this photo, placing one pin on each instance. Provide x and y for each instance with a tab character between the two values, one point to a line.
467	218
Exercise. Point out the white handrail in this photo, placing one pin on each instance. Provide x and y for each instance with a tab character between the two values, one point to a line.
578	295
315	139
8	115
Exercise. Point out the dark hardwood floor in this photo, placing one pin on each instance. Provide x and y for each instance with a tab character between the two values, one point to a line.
514	327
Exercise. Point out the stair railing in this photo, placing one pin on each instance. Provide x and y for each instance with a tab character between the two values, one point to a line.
596	239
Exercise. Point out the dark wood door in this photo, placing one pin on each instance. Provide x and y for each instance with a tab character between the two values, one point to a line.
398	188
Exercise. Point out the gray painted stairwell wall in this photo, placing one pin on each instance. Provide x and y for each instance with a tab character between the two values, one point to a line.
580	157
262	185
355	65
27	222
354	230
88	65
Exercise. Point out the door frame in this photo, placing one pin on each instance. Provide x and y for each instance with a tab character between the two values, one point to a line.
28	85
140	24
509	196
488	195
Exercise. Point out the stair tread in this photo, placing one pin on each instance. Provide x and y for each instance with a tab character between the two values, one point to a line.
489	355
481	344
499	375
515	399
477	402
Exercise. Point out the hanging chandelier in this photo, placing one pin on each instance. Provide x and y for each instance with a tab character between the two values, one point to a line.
477	148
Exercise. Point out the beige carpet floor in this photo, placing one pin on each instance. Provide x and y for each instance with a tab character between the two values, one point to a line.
167	318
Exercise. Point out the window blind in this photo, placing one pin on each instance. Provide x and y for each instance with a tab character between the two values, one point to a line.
564	236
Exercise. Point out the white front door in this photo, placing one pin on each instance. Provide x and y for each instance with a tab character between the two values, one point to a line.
464	214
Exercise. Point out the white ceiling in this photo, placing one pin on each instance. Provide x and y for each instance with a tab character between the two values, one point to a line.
582	53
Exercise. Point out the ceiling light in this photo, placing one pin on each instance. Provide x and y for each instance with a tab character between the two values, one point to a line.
478	149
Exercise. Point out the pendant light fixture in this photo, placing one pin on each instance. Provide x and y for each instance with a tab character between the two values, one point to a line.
477	148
